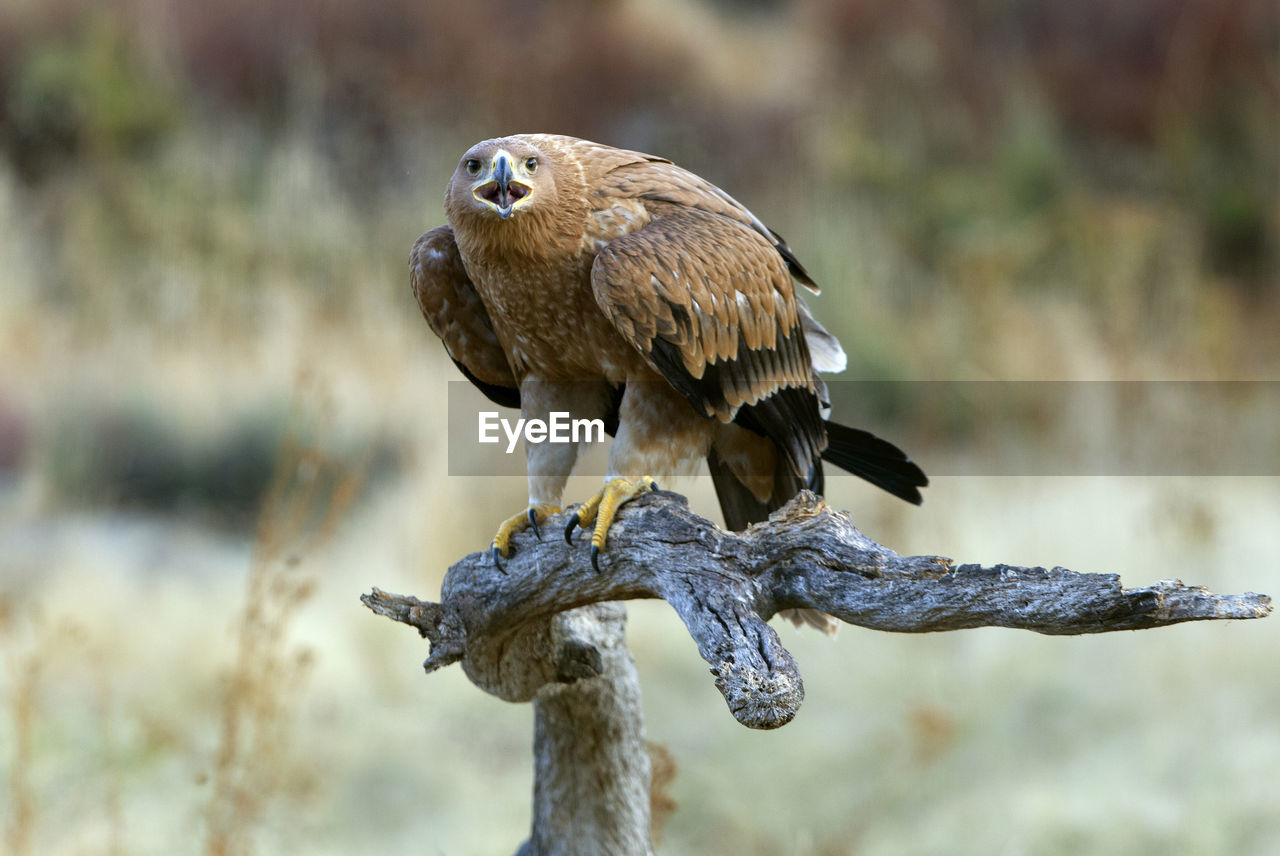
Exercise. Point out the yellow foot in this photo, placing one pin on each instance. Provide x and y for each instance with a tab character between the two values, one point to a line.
602	507
531	516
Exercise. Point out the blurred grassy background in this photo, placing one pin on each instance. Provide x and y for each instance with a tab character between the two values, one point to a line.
205	212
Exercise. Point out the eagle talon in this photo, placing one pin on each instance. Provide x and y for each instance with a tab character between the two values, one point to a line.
602	508
530	517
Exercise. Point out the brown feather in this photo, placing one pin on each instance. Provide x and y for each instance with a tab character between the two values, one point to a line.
453	309
724	293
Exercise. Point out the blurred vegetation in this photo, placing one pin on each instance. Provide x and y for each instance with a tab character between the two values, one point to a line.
133	457
986	179
202	203
971	118
130	458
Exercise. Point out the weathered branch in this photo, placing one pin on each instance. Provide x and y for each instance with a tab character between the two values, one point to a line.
725	586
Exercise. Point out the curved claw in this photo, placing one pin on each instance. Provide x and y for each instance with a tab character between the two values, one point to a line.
512	526
600	510
574	522
497	558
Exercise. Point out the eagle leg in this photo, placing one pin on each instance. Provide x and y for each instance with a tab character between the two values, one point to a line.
602	508
530	517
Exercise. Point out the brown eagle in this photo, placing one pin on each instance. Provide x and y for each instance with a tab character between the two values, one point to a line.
614	285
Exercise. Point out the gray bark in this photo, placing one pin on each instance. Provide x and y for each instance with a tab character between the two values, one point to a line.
515	638
591	767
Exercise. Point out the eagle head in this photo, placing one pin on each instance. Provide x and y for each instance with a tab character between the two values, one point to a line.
500	178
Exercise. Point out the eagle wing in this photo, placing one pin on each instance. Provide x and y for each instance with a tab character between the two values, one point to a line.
708	300
456	314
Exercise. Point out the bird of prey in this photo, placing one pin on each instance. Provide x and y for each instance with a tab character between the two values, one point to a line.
576	277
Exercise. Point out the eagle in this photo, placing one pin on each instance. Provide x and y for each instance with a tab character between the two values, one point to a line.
614	285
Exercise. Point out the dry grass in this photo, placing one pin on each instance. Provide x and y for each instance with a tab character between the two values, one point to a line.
662	805
24	676
36	650
304	504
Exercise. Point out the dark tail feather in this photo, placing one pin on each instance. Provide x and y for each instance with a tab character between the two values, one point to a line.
878	461
739	505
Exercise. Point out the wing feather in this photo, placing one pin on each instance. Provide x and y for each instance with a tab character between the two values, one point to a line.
661	181
454	311
709	302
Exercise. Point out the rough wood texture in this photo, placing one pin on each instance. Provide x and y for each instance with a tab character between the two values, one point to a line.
515	638
725	586
591	766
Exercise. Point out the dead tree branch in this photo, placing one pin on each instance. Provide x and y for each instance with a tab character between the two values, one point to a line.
547	629
725	586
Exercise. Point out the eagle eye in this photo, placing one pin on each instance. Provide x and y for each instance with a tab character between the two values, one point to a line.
531	165
473	166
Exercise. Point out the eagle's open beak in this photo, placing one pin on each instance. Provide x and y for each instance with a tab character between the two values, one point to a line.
501	191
